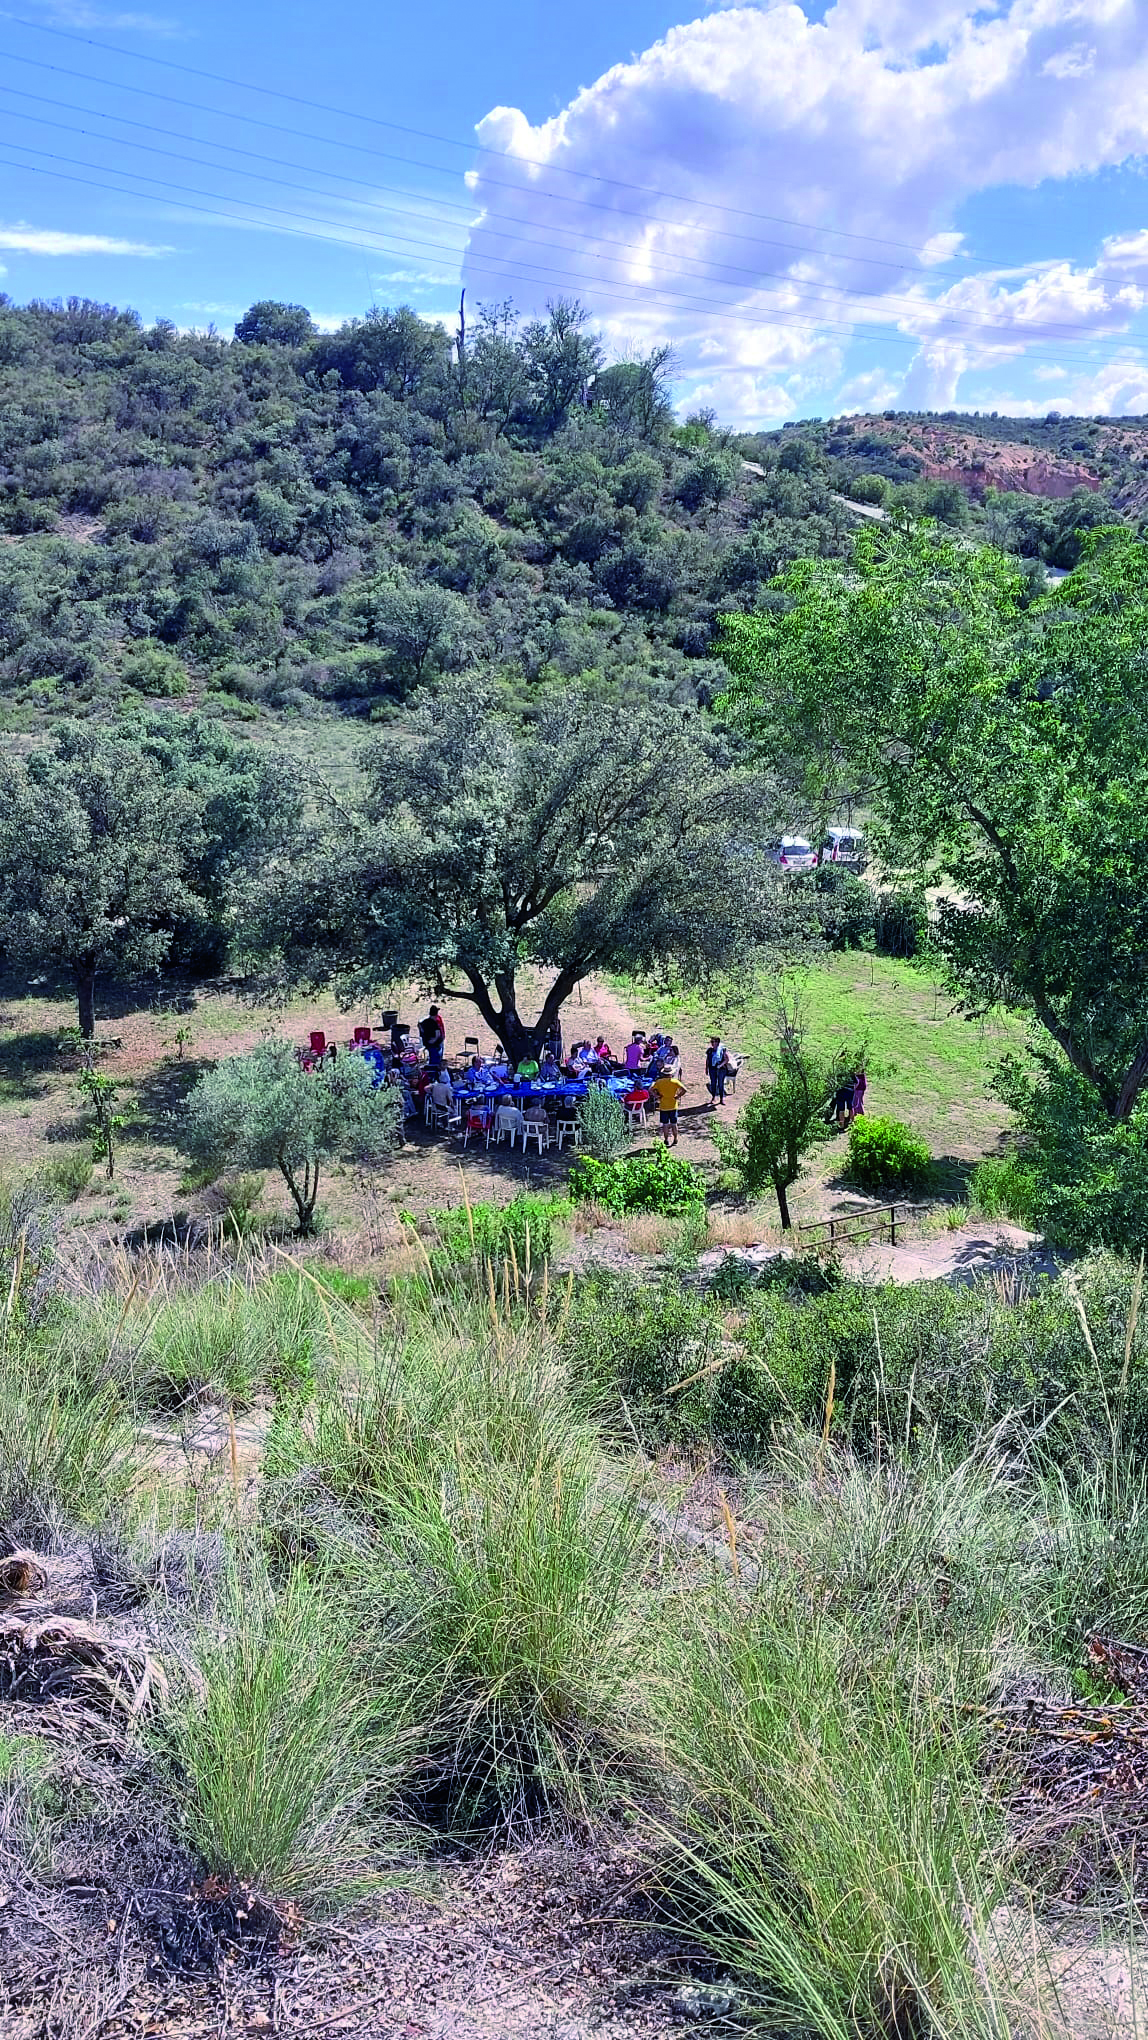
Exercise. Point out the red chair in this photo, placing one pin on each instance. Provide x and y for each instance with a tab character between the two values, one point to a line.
318	1042
477	1121
362	1034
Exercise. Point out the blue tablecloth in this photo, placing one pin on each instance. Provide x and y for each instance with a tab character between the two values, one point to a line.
525	1093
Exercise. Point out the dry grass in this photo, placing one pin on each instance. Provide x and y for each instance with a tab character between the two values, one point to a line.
646	1232
737	1228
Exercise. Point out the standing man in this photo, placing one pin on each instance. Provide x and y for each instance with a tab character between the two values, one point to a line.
667	1090
717	1065
432	1034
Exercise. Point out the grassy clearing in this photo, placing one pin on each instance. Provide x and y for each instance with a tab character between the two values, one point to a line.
928	1066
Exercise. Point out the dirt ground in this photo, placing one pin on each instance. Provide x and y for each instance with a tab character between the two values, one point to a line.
157	1050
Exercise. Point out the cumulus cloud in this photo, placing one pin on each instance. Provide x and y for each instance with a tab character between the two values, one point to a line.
54	241
761	188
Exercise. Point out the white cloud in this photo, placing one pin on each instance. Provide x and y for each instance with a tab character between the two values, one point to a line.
52	241
689	166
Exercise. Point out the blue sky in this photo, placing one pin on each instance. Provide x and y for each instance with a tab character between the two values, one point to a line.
855	205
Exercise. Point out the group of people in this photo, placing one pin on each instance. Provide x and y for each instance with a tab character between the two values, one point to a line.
848	1101
652	1064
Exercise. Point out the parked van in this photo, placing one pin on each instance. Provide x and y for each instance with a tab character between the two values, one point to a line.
844	846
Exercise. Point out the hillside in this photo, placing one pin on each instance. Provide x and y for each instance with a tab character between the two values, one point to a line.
1028	484
317	524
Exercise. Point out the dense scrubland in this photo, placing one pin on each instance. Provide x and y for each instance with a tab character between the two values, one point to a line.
362	1521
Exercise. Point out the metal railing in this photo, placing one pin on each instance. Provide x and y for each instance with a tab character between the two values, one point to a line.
860	1225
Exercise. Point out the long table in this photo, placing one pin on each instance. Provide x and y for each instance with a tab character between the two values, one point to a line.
528	1093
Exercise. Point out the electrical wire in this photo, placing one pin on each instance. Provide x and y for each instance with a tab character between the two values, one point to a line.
447	141
835	293
346	234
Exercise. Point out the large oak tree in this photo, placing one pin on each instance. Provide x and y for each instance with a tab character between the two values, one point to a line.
591	838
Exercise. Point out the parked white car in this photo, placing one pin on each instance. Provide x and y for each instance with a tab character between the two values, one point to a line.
793	853
844	846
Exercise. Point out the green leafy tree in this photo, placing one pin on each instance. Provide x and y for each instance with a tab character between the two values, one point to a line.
999	745
783	1120
270	324
96	856
583	841
263	1110
421	626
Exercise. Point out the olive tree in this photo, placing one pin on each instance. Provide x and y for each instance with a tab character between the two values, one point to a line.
263	1110
588	839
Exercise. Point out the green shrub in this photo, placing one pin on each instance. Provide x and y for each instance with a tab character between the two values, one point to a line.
885	1155
69	1174
1005	1187
154	670
628	1343
522	1230
653	1180
602	1118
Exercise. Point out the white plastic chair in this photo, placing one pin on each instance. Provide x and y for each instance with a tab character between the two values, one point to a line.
635	1115
568	1129
509	1123
535	1129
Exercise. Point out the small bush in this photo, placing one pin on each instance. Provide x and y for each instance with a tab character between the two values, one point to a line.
69	1174
653	1180
628	1344
602	1118
153	670
885	1155
522	1230
1002	1187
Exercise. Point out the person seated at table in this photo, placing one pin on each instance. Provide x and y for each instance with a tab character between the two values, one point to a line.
441	1095
527	1068
602	1050
578	1060
548	1068
474	1074
671	1059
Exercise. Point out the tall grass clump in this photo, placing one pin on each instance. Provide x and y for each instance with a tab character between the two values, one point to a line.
278	1744
835	1833
231	1339
461	1492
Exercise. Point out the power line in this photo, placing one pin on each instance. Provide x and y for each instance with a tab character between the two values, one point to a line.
345	234
807	288
502	184
447	141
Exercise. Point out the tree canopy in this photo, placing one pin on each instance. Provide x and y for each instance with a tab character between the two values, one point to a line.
999	744
116	846
581	841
